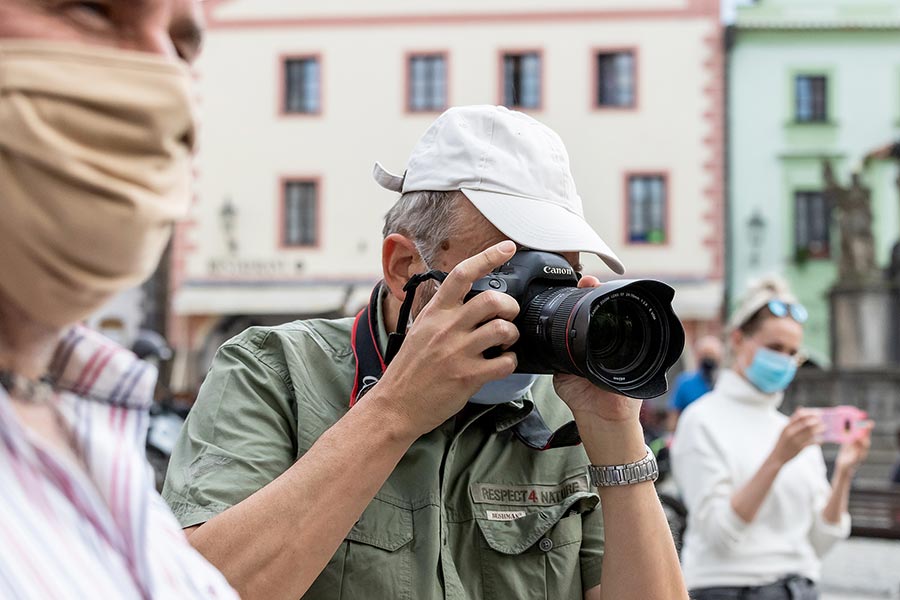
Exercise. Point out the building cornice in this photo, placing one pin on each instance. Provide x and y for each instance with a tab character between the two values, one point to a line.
691	9
793	26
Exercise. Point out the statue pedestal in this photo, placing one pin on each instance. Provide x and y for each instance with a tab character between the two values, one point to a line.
865	325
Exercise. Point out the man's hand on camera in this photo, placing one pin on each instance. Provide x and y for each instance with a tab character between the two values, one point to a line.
582	396
441	363
608	422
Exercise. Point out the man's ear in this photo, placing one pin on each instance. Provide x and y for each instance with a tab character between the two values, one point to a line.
400	260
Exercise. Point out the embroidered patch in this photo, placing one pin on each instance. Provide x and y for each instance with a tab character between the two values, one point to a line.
505	515
528	495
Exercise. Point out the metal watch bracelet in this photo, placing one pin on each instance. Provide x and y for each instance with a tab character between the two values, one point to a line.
639	471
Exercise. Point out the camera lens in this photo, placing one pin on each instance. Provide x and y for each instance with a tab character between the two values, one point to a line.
618	334
623	335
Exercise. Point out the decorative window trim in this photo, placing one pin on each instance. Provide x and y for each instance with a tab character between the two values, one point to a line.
501	82
595	78
830	96
407	70
282	85
281	230
803	254
668	208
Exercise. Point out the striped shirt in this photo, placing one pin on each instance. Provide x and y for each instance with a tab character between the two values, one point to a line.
99	529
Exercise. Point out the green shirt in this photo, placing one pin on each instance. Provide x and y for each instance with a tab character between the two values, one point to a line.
470	512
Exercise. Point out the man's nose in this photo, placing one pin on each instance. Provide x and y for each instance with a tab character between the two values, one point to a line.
152	40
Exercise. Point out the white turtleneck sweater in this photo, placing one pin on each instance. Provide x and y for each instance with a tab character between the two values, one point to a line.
721	441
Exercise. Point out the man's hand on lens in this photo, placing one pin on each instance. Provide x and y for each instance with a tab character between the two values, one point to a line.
441	363
585	398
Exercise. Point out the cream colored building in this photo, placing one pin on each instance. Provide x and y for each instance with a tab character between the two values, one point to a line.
300	98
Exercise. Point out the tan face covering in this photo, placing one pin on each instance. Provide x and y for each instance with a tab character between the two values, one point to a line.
95	158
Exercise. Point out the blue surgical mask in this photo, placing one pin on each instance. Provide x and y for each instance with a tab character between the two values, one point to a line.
512	387
771	371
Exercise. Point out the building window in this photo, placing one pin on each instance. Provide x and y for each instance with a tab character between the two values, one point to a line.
302	85
647	209
427	82
812	98
522	80
300	213
812	225
616	79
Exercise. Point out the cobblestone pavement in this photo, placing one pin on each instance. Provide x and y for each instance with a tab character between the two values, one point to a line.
862	569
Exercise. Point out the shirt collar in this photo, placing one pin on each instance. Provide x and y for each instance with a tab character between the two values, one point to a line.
90	365
736	387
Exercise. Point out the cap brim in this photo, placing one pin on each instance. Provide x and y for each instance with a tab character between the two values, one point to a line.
542	225
386	179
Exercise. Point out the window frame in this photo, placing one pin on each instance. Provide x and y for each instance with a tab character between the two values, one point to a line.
826	97
408	88
283	183
667	207
594	62
282	99
825	255
501	87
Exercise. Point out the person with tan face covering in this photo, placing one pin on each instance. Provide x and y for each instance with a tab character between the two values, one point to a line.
96	136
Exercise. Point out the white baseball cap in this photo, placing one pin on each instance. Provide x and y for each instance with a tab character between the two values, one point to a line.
515	171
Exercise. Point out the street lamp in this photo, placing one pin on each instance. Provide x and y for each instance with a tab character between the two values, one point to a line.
756	232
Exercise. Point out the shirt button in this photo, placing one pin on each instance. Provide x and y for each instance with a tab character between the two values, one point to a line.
546	545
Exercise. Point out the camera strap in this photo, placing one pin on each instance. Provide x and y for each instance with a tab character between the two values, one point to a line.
370	364
396	339
534	433
532	430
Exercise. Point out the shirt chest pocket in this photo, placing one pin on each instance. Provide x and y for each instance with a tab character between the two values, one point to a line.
534	552
375	559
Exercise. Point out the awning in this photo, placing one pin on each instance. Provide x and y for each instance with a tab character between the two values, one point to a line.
215	298
701	300
698	301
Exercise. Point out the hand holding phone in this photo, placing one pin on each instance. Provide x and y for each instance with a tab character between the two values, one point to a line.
843	424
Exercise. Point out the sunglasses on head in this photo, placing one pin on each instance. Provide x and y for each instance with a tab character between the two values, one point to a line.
797	312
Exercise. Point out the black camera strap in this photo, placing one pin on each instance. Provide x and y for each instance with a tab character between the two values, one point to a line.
532	430
396	339
370	364
534	433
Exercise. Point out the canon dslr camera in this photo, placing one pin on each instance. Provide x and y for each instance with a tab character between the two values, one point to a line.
622	335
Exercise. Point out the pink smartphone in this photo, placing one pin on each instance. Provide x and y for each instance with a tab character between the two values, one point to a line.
842	423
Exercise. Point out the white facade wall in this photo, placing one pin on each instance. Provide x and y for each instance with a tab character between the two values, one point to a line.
247	146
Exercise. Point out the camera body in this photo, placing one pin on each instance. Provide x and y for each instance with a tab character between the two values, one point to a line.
622	335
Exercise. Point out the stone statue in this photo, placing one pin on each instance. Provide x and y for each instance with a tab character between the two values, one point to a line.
893	270
888	152
853	208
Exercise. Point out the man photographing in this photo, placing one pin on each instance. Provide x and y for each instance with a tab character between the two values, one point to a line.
445	497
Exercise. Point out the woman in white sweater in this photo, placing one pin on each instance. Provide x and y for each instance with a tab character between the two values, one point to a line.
761	511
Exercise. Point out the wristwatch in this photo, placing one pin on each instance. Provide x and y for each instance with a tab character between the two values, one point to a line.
639	471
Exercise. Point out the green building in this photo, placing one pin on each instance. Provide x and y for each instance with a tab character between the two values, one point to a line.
808	80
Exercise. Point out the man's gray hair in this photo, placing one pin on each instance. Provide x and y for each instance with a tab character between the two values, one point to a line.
428	218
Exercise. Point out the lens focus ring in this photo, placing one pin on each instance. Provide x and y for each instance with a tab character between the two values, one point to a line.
547	316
